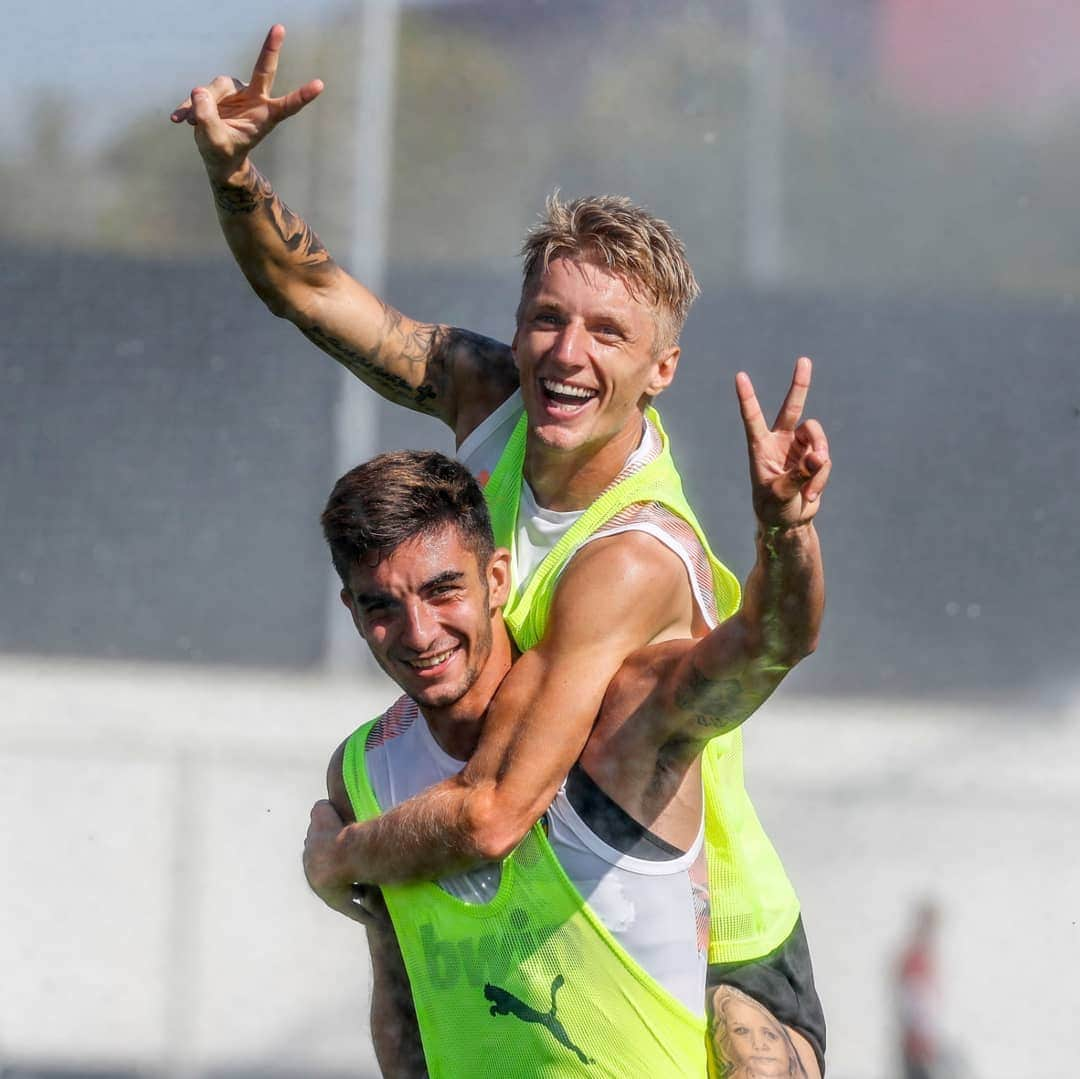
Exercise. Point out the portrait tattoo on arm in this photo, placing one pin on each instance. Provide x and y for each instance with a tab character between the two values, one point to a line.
746	1040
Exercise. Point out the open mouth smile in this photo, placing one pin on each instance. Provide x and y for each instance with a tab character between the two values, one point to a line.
426	664
564	397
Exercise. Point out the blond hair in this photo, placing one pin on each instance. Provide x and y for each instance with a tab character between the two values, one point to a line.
611	231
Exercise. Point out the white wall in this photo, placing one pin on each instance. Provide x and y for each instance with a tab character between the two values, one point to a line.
153	911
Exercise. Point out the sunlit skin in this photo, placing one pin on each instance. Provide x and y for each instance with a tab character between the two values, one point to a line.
431	617
586	352
755	1042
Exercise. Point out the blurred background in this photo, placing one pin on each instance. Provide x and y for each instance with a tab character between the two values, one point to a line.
888	186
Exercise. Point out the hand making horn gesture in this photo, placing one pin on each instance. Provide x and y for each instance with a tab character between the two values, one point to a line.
231	118
789	464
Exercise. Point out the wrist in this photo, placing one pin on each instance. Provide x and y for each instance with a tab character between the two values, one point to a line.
230	175
782	530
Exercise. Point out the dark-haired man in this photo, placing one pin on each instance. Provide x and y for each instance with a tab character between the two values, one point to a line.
592	934
607	556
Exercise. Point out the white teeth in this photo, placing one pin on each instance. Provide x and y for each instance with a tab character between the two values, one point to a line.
566	389
431	661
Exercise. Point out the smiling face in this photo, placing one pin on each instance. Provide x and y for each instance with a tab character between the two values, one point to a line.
427	612
586	353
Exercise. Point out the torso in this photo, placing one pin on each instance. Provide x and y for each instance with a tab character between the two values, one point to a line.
653	901
539	529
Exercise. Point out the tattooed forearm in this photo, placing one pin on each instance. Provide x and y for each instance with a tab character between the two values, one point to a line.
367	367
719	705
297	235
255	193
244	199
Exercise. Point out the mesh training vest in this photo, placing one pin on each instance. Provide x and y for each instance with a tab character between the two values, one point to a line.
753	907
530	984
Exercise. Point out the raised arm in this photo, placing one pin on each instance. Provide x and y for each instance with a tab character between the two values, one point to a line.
450	373
616	595
712	686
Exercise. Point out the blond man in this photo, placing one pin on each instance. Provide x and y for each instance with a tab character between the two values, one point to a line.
559	419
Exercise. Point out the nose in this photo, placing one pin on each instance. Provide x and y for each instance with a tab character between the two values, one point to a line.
420	627
567	345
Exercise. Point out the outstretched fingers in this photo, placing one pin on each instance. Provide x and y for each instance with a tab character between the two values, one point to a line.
752	416
262	74
792	408
292	103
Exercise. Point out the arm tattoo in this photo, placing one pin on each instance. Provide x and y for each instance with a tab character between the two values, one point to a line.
242	200
431	352
719	705
292	230
741	1030
369	369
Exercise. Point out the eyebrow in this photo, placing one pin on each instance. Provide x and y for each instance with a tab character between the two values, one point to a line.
450	576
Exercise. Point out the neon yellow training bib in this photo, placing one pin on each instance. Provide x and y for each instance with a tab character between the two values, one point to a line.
530	984
753	907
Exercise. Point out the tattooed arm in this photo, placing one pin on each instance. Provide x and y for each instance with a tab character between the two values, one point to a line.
452	374
746	1039
682	693
723	678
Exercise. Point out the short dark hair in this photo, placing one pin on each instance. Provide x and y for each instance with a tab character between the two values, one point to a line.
395	497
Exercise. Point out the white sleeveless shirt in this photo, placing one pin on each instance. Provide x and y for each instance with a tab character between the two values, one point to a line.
539	529
657	910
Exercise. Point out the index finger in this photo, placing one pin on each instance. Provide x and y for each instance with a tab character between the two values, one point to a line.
262	74
792	408
752	417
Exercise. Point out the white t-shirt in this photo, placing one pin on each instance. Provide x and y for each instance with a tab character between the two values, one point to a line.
656	910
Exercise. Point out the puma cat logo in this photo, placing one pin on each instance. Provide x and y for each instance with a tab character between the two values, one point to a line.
504	1003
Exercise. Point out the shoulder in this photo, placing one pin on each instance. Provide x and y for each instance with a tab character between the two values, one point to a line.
484	376
335	784
632	558
629	589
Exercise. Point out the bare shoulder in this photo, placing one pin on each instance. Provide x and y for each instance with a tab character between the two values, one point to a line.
335	785
482	372
629	587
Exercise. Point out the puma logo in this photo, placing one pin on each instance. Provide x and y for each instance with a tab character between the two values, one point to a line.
504	1003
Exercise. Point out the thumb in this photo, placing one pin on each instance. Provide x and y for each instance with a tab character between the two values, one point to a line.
207	119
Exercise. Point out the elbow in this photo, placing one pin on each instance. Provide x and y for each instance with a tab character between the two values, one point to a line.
493	826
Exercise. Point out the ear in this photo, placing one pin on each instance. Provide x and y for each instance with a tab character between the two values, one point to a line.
498	578
664	371
513	347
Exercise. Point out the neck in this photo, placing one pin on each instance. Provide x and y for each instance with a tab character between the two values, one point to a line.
564	480
458	727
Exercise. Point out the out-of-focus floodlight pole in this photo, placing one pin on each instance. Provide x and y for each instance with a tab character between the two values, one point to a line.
376	30
765	138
